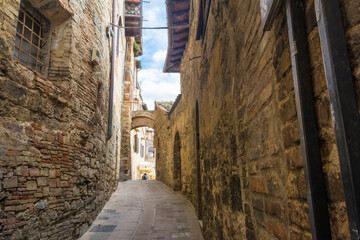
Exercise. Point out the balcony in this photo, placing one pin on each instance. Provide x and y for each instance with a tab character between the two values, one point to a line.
133	18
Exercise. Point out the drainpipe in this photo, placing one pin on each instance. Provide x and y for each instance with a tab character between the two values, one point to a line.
315	184
112	75
343	104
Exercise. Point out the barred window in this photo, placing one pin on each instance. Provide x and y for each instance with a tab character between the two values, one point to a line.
29	40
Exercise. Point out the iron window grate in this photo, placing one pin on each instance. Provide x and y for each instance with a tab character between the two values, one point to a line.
29	40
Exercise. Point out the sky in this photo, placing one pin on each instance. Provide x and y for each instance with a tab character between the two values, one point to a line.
156	85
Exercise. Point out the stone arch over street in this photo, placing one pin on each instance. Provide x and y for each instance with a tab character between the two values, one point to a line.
177	163
142	119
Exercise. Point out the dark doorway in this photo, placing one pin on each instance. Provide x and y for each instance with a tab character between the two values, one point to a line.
177	163
198	163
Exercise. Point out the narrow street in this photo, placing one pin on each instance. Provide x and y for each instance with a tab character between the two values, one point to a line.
145	210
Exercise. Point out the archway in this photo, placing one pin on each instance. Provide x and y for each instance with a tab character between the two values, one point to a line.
142	119
177	163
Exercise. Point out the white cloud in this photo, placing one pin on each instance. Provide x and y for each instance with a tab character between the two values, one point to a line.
154	13
158	86
159	56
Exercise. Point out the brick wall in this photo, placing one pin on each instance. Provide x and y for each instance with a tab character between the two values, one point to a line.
56	168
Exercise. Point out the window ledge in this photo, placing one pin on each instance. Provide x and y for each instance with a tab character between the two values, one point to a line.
57	11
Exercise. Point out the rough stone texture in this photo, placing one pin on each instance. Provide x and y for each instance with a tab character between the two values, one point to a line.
56	168
248	125
142	119
130	74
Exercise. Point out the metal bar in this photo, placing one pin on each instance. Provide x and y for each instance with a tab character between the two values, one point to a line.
112	76
171	27
315	184
343	104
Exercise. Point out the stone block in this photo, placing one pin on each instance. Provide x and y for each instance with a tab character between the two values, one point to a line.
258	184
294	157
291	135
11	220
52	173
13	127
14	153
31	185
274	209
11	182
277	230
22	171
64	184
53	182
34	172
44	172
288	110
46	191
41	181
274	185
258	203
58	192
259	216
38	195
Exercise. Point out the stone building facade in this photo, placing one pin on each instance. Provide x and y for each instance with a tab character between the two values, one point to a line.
231	141
131	102
59	163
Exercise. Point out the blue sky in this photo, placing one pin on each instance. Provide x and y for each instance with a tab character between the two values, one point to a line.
156	85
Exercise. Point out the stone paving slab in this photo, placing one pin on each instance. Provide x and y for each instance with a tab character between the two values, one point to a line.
145	210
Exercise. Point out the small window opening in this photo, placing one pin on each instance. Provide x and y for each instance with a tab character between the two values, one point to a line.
29	39
136	144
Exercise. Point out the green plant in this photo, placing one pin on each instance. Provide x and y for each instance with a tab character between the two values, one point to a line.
136	48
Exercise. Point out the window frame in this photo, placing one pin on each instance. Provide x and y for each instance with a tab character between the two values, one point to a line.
28	13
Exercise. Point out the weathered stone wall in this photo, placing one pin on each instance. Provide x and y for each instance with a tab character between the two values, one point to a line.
253	184
130	72
56	168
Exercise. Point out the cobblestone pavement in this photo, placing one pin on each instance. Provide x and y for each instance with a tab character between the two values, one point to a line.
145	210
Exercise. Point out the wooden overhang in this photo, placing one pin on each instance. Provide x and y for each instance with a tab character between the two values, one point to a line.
133	18
177	15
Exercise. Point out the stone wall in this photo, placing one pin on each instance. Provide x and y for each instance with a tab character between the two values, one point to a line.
57	169
252	176
126	113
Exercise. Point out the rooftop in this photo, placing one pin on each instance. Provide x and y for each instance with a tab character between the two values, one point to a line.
166	105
